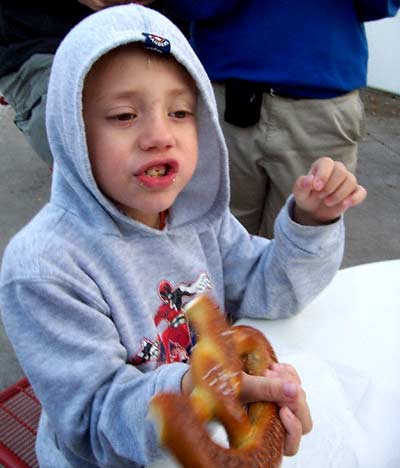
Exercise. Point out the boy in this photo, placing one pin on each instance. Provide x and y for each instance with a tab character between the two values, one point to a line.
93	288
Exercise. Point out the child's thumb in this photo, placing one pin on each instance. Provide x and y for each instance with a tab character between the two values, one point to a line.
267	389
303	187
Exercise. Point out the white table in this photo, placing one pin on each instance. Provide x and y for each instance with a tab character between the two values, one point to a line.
346	348
355	321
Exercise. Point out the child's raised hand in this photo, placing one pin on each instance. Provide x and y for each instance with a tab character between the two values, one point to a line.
326	192
281	385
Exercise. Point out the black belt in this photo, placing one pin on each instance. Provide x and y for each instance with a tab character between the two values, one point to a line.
243	100
272	91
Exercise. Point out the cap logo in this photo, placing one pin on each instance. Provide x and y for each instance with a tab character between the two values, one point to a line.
157	43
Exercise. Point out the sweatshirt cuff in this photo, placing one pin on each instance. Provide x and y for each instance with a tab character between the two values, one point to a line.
308	238
170	377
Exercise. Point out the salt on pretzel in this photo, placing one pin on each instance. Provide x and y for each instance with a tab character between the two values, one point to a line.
255	433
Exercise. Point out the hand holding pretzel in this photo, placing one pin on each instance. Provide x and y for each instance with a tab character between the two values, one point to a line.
283	386
219	387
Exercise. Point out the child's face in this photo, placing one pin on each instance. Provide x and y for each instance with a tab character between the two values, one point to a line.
139	113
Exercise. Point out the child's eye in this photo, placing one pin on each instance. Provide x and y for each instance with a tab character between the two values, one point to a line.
125	117
180	114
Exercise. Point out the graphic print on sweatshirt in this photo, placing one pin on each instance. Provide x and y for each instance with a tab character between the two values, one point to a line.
174	339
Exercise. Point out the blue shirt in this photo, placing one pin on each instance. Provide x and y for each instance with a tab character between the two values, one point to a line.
313	48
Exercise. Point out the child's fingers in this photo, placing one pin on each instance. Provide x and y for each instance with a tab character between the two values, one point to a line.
300	409
354	199
347	198
344	190
303	187
338	176
293	431
295	399
283	371
257	388
284	393
321	170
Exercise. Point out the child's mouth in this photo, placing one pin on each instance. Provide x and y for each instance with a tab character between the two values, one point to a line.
158	174
157	171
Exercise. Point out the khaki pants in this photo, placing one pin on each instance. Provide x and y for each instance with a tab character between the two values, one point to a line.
26	92
266	159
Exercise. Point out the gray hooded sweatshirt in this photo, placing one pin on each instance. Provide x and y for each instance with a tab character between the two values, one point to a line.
93	301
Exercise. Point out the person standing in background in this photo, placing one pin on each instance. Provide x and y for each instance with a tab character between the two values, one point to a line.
29	36
286	77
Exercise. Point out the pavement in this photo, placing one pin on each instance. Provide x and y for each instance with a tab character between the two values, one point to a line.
373	229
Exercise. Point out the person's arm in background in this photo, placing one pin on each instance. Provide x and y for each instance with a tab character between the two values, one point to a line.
370	10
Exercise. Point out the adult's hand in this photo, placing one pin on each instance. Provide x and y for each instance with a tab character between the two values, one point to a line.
143	2
100	4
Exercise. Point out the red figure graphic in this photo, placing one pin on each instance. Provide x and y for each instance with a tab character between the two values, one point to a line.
174	340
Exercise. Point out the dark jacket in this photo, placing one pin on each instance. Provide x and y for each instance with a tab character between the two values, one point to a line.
28	27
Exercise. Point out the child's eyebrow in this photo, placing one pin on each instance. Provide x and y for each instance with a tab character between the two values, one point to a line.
117	95
129	94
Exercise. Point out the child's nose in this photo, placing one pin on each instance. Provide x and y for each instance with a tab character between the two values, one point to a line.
156	134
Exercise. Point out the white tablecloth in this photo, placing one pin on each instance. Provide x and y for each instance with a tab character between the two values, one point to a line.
346	348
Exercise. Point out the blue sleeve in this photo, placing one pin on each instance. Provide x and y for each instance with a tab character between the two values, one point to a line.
370	10
72	354
278	278
197	11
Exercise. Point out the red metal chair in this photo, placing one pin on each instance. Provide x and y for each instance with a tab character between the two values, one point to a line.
19	418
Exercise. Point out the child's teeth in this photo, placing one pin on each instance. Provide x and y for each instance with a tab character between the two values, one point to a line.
156	171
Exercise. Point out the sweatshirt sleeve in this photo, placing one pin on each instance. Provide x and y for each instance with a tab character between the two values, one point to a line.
197	11
370	10
278	278
71	352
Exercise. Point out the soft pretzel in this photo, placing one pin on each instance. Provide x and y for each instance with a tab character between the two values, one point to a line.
255	433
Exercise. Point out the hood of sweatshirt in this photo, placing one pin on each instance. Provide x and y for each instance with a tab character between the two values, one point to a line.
74	188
